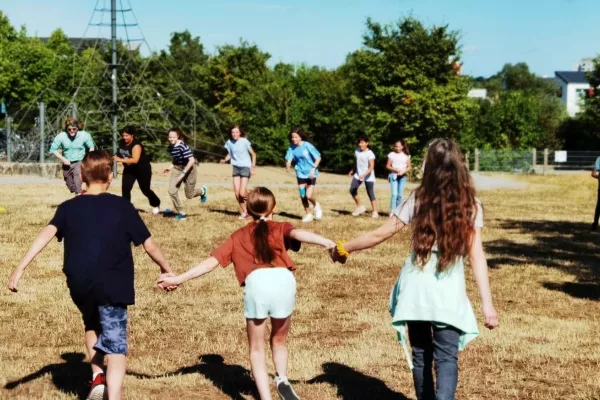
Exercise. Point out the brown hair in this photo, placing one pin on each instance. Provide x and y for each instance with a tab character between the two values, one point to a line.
178	131
261	202
300	132
72	122
445	206
96	167
405	148
242	132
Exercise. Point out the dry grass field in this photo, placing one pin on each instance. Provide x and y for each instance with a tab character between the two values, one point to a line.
191	343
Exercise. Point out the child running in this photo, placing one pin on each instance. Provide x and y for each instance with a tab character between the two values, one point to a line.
307	159
430	296
98	230
398	164
262	265
364	172
243	160
184	171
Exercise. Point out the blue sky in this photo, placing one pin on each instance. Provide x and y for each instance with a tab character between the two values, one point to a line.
549	35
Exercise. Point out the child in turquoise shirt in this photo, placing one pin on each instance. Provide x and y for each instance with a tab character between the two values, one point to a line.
430	295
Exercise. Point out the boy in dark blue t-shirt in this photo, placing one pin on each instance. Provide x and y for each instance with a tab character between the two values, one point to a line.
98	230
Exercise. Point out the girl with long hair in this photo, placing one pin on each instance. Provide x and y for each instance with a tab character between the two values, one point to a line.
243	160
306	158
429	297
398	164
258	252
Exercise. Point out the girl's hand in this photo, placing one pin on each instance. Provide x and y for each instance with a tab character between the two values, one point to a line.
166	171
222	161
312	173
168	281
350	173
13	280
253	171
491	316
361	177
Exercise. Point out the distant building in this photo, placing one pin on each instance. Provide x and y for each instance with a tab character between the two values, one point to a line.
477	93
572	89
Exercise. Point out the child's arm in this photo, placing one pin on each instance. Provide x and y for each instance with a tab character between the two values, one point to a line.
157	256
38	245
226	159
371	168
480	271
309	237
389	167
288	166
371	239
253	157
204	267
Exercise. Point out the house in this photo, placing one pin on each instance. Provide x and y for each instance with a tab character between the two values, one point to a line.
573	86
477	94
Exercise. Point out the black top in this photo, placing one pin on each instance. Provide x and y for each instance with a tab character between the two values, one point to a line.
98	232
126	151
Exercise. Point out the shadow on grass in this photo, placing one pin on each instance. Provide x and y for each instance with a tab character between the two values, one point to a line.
225	212
342	212
288	215
564	245
354	385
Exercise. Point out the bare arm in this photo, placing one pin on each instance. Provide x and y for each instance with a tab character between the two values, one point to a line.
371	168
595	174
189	165
371	239
312	238
156	255
480	271
288	165
226	159
204	267
38	245
389	167
136	153
59	155
253	156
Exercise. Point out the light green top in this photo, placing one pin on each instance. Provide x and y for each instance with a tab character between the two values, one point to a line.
423	294
72	149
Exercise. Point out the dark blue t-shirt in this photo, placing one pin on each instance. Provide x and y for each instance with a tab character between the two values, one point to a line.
98	231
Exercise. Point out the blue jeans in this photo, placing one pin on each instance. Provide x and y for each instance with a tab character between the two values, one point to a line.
397	184
432	343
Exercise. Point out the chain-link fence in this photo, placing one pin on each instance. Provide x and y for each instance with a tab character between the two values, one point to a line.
531	161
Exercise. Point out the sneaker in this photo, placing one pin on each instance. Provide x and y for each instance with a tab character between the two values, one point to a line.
168	211
375	215
180	217
98	387
204	195
284	389
243	216
359	210
155	210
308	218
318	211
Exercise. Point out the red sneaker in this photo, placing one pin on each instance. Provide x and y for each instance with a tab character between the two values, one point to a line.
98	387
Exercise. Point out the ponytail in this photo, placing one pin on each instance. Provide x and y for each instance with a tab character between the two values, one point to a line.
264	252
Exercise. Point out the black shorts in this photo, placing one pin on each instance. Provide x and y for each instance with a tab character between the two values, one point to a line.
306	181
89	312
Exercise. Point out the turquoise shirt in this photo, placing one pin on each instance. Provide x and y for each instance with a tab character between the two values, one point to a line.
423	294
597	165
72	149
304	156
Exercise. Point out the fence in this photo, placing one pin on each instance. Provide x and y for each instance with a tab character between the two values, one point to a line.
531	161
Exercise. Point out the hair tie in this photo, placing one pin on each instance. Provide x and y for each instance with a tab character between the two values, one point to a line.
262	218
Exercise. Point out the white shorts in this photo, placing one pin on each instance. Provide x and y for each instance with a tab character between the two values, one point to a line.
269	292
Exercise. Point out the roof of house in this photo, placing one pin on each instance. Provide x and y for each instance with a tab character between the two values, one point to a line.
572	76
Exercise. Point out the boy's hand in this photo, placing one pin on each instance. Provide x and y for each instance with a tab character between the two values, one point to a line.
168	281
336	257
13	280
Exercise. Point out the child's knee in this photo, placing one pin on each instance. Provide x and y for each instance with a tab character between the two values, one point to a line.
353	191
173	191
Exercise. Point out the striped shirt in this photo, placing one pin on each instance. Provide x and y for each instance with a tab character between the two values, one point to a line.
181	153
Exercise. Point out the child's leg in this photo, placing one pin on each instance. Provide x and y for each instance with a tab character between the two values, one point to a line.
279	333
243	194
236	191
419	333
190	184
371	193
174	190
303	198
401	186
394	195
310	194
445	353
256	341
96	358
354	190
115	375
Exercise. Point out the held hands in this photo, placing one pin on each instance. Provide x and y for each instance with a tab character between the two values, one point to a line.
491	316
338	253
13	280
168	281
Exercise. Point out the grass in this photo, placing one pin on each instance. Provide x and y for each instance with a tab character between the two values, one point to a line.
191	343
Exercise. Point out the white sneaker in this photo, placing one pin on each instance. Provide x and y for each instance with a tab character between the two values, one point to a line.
308	218
375	215
284	389
358	211
155	210
318	211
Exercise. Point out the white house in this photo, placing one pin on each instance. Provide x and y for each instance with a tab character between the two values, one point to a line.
477	93
573	86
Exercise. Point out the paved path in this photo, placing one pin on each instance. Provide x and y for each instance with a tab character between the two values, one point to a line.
482	182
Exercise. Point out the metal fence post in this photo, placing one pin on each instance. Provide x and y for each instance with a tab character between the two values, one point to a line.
467	161
476	164
42	132
545	160
8	139
533	158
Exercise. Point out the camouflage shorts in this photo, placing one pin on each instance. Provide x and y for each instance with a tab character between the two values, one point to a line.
113	336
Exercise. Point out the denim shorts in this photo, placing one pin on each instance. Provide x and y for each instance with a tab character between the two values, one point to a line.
113	333
269	292
243	172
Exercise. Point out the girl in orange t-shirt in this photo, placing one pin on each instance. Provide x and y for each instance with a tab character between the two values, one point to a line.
258	252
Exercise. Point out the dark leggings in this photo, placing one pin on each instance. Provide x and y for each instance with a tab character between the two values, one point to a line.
430	343
369	185
143	176
597	213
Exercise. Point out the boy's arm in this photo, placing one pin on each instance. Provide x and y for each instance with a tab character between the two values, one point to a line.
157	256
38	245
309	237
204	267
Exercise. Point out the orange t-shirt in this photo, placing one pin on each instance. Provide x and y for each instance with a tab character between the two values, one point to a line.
239	249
